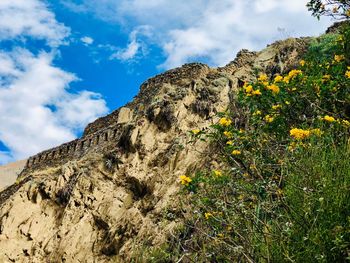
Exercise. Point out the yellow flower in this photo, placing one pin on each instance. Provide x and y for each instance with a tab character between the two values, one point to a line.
293	73
317	132
228	134
286	79
236	152
338	58
347	74
292	146
326	78
208	215
274	88
328	118
225	122
276	107
299	134
287	102
345	123
248	89
220	235
263	77
302	63
269	118
256	92
196	131
185	180
217	173
258	112
278	78
229	142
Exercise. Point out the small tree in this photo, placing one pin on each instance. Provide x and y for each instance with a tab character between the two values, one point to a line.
338	9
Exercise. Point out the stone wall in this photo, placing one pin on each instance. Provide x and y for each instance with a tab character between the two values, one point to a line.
191	71
109	128
76	148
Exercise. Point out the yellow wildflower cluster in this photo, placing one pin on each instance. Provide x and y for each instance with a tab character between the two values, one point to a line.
293	73
208	215
347	73
302	63
185	180
329	118
257	113
248	88
338	58
276	107
299	134
229	142
274	88
345	123
256	92
250	91
317	132
263	78
225	122
278	78
196	131
269	118
217	173
236	152
326	78
228	134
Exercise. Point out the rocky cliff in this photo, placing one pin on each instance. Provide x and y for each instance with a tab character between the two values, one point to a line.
100	197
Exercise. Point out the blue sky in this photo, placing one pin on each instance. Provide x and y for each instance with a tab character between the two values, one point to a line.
63	63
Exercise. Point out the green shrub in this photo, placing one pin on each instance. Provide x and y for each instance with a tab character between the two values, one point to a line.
284	193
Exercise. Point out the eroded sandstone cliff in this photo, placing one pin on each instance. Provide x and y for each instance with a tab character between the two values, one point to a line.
100	197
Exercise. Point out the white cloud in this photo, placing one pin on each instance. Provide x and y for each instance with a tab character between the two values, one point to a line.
136	46
128	53
208	30
37	110
36	106
30	18
87	40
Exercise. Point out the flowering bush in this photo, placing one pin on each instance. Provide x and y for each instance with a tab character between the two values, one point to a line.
284	193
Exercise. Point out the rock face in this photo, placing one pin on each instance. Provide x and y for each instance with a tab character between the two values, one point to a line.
98	198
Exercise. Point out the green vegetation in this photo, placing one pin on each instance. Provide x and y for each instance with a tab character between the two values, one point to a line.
338	9
284	194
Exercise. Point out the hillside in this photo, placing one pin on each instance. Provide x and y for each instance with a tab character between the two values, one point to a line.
114	192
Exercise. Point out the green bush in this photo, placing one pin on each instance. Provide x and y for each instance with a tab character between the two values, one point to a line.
284	193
